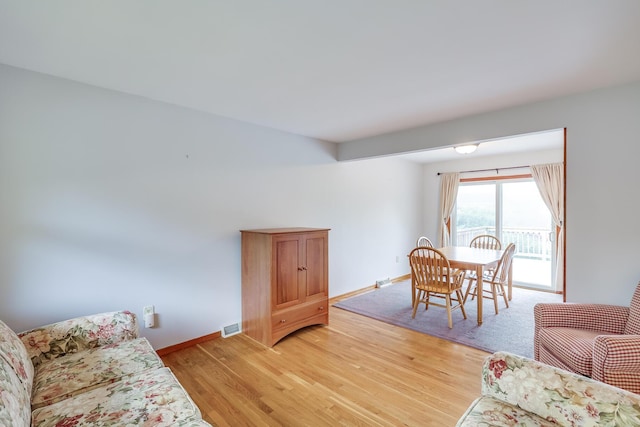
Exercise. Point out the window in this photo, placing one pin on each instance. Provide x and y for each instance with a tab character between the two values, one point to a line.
513	211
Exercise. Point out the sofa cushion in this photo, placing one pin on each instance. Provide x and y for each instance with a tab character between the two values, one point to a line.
153	398
75	373
633	322
14	352
545	356
14	399
487	411
573	346
81	333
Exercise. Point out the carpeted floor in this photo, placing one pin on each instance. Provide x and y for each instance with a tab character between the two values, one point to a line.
510	330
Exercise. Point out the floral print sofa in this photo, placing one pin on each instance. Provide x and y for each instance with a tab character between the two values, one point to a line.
517	391
91	370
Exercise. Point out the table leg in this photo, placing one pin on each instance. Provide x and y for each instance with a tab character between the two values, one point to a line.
479	292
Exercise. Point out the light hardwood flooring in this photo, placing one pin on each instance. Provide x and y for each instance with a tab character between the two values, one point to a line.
355	372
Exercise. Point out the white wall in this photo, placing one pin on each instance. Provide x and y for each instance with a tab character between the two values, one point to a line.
432	180
603	147
111	201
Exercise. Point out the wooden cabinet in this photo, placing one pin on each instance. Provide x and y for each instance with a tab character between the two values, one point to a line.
285	283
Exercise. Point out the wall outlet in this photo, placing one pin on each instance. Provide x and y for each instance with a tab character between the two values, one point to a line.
148	313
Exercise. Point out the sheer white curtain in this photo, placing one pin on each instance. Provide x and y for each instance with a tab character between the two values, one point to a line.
448	193
550	181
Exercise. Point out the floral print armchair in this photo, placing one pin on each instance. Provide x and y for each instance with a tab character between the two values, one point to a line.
518	391
91	370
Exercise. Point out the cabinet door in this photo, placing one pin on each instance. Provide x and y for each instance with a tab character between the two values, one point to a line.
287	272
315	265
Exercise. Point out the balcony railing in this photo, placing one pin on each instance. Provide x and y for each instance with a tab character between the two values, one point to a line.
530	243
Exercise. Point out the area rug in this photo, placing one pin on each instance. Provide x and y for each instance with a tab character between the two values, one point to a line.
510	330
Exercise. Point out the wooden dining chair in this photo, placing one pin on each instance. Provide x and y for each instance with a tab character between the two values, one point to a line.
434	278
424	241
494	281
483	241
486	241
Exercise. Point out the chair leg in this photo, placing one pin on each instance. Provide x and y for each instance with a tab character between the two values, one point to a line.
466	294
461	301
504	295
448	298
415	304
495	296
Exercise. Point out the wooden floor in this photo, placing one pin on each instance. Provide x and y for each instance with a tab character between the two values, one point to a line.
355	372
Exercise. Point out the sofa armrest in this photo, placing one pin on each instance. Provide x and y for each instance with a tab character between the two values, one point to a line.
616	361
81	333
555	394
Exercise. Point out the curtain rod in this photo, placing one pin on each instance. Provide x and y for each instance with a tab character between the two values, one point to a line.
492	169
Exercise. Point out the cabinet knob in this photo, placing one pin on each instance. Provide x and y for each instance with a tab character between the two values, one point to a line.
300	268
320	308
283	321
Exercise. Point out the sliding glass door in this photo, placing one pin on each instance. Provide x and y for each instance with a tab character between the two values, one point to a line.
513	211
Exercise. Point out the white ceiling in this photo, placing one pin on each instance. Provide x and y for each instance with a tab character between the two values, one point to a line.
332	69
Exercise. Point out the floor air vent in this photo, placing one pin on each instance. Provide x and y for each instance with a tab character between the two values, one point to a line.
382	283
229	330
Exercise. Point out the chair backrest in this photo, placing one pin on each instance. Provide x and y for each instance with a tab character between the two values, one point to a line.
432	271
501	273
424	241
633	322
486	241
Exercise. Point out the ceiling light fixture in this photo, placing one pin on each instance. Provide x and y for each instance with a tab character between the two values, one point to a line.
466	149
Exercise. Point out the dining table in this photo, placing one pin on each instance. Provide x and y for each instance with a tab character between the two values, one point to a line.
473	259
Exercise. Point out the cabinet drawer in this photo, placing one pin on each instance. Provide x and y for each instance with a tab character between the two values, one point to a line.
284	318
